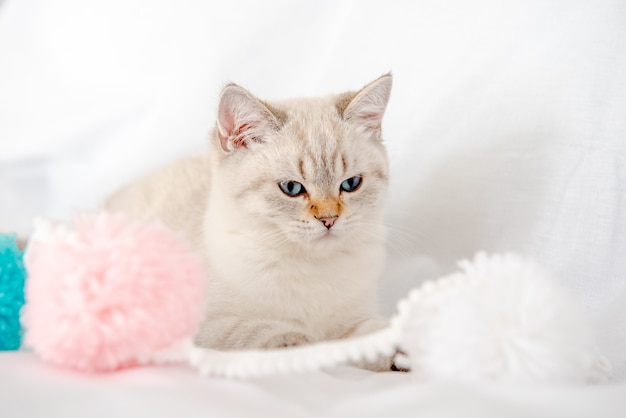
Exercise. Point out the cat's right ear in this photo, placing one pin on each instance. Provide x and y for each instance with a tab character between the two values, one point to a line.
242	120
367	107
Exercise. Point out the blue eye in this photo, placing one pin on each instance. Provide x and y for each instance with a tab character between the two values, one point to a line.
291	188
351	184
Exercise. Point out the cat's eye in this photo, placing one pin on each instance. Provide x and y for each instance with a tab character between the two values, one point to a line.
292	188
351	184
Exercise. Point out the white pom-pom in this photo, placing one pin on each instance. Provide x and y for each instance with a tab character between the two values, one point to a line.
502	318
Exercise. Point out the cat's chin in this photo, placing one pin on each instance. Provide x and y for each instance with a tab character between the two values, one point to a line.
310	241
327	240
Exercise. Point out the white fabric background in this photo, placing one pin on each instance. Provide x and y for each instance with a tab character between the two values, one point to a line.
506	128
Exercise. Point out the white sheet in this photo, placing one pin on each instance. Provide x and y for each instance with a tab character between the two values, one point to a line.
506	130
29	389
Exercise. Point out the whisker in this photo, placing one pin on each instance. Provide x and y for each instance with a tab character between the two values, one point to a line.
275	238
398	240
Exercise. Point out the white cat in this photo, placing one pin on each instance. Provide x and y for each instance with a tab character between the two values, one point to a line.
287	208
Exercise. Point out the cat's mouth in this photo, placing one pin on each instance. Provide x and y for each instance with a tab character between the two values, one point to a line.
328	235
321	238
311	235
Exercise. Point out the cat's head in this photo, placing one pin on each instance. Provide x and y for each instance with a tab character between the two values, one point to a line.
307	171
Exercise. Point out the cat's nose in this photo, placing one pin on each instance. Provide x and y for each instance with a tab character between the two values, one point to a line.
328	221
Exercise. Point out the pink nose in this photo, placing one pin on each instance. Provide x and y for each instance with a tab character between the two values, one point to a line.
328	221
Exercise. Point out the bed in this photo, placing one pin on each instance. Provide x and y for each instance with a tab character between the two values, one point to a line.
506	132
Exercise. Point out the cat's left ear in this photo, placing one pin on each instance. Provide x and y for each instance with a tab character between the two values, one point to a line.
242	119
367	108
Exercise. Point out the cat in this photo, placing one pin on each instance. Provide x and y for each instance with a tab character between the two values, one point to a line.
287	209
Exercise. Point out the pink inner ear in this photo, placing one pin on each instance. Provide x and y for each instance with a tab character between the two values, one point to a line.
371	120
243	134
242	119
239	137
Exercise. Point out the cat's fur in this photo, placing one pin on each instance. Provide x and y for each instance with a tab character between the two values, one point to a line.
277	275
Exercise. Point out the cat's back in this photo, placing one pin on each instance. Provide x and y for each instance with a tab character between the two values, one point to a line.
176	194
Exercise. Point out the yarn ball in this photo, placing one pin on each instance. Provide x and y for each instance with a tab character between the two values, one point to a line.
12	276
501	318
109	293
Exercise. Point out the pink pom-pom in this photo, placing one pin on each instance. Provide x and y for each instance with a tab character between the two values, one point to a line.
110	293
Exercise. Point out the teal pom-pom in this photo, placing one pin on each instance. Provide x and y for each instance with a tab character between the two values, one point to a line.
12	278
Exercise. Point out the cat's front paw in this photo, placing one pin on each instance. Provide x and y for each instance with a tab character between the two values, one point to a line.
288	339
382	364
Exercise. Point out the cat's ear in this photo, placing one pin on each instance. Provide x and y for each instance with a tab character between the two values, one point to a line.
242	119
367	107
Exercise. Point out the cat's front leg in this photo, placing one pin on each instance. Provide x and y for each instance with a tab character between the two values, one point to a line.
365	327
288	339
237	333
